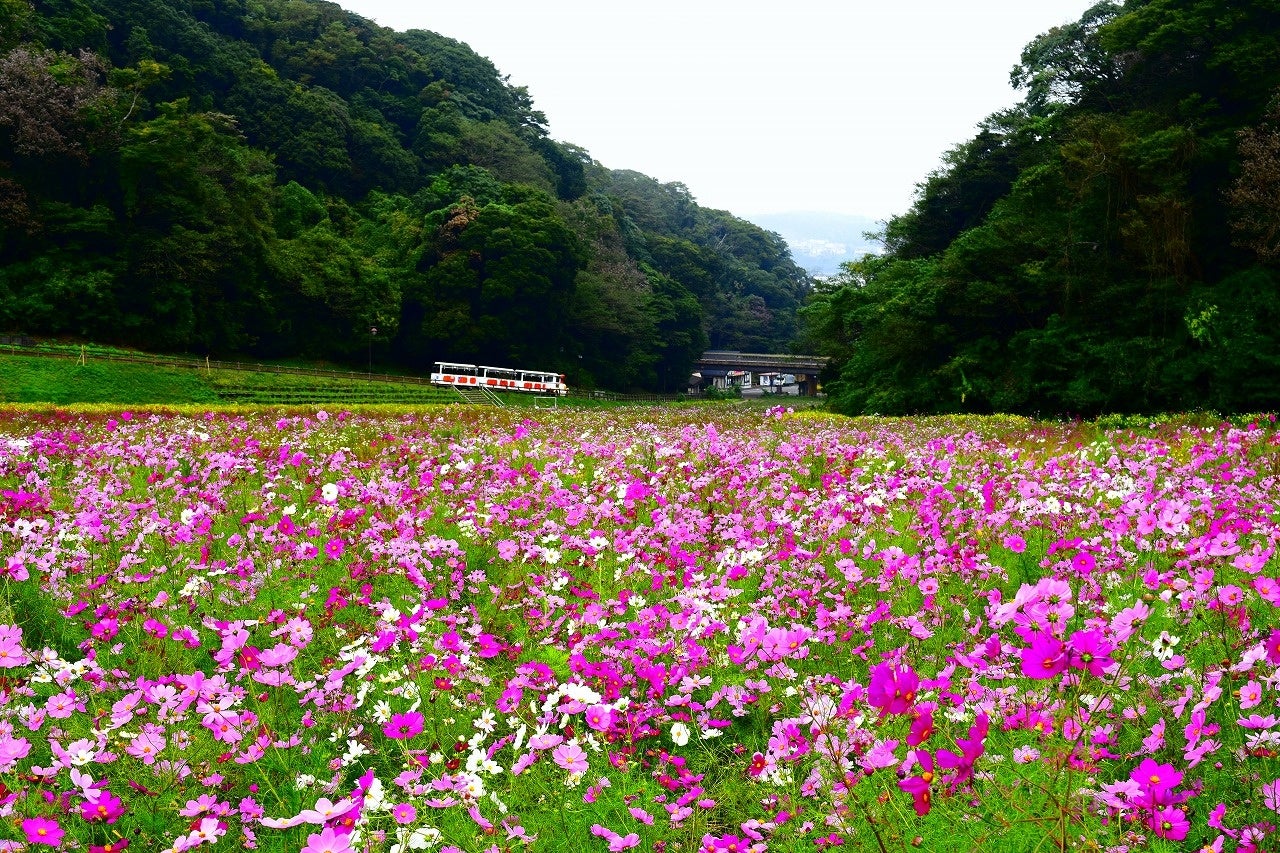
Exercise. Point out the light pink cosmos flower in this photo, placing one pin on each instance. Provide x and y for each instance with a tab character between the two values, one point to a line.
1250	695
570	757
12	750
11	651
328	842
147	745
1253	721
325	810
545	741
1271	795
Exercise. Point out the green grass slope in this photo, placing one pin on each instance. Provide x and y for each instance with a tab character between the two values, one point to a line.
27	379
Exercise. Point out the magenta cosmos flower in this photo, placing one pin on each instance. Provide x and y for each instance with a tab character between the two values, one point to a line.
42	830
1170	823
1090	652
108	808
403	726
919	786
1045	657
1156	780
893	688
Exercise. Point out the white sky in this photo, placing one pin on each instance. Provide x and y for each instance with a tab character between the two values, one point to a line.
803	105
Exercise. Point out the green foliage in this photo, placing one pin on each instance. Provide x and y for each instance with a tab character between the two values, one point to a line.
1077	255
63	380
498	281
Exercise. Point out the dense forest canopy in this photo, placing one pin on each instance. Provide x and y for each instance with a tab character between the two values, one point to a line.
282	177
1110	244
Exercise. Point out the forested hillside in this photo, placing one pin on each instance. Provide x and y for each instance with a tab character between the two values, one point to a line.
281	177
1110	244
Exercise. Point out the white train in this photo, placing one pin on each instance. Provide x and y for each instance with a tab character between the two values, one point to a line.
498	378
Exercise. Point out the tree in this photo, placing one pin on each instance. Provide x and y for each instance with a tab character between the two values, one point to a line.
1255	195
497	283
197	207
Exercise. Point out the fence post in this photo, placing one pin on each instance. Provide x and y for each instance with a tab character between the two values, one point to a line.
82	355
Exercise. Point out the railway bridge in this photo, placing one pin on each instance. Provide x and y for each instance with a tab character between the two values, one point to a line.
716	364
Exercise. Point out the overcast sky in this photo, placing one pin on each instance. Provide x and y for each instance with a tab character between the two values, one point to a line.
826	105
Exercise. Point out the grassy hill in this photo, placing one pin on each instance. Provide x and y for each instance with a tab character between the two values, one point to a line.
63	374
44	379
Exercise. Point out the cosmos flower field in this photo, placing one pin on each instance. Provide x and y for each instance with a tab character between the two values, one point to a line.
671	629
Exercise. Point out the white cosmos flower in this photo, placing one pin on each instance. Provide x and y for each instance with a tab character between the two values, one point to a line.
355	750
679	734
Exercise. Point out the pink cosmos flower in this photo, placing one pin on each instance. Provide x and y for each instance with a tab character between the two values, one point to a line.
1271	795
1230	595
1253	721
1121	794
328	841
545	741
11	652
600	717
12	750
921	728
972	748
1273	647
147	745
326	810
570	757
404	813
616	842
641	815
1250	695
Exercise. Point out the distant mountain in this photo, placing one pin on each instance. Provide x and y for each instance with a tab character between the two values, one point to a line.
821	242
286	179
